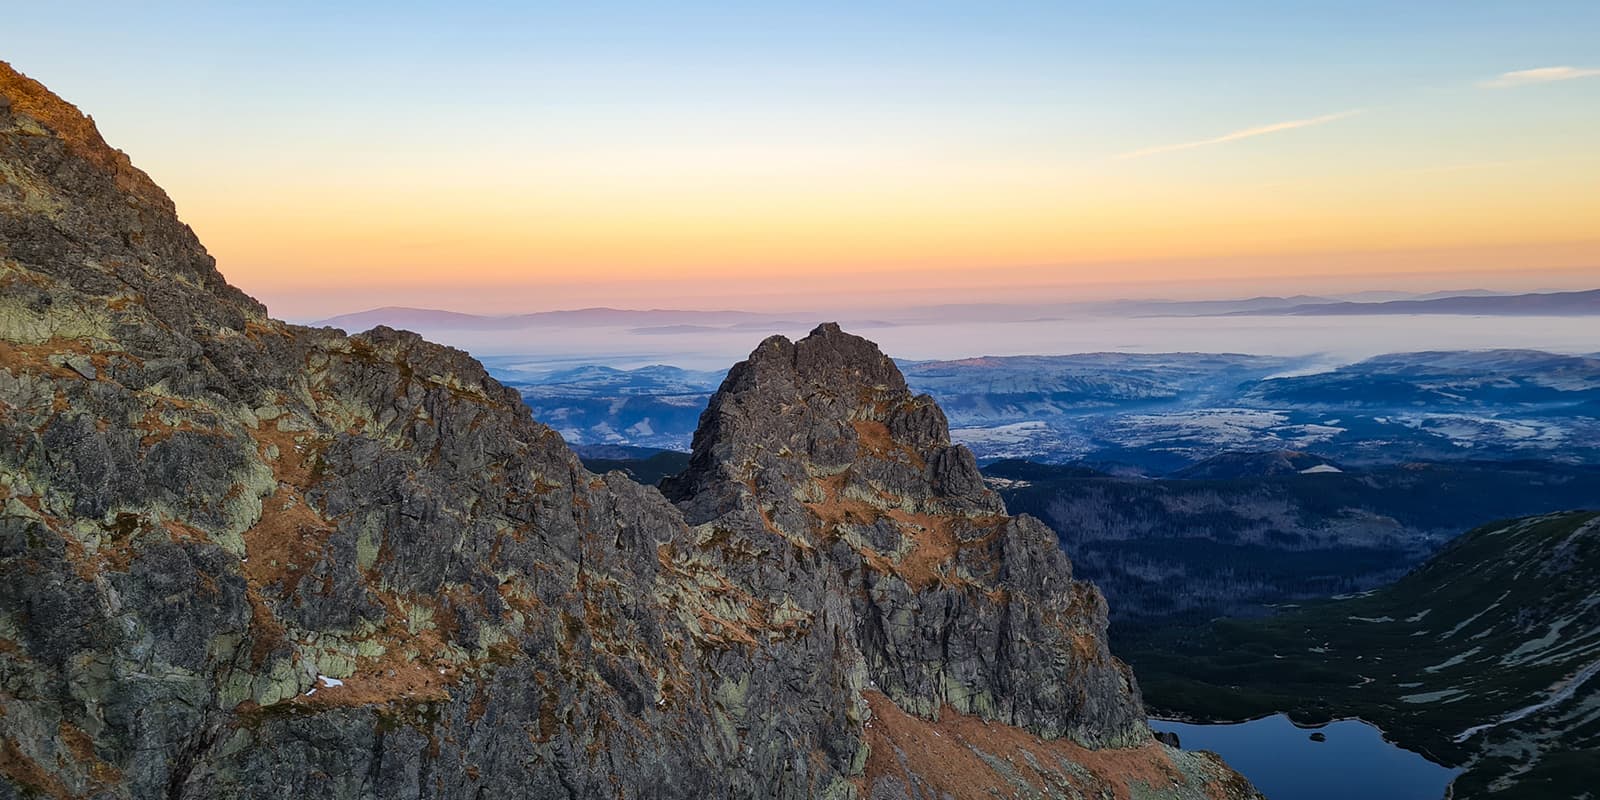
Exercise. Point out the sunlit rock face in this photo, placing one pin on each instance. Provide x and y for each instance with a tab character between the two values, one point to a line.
240	558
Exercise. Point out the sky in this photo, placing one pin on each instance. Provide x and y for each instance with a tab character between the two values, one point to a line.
509	157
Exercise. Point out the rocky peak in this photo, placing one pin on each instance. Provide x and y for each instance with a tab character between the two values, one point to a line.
827	404
76	132
952	601
83	214
829	357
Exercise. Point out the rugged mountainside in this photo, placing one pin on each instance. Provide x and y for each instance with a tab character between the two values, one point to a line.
240	558
1533	304
1180	551
1486	656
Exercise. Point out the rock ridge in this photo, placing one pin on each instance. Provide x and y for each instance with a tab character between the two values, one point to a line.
246	559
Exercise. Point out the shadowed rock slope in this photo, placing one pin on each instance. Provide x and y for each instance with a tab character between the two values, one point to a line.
240	558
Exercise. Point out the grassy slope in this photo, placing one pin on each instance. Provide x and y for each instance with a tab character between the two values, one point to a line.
1488	626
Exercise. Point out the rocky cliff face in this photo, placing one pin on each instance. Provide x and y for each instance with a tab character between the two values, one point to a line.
240	558
816	470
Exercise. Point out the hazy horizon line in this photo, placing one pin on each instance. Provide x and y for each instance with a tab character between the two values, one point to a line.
1311	297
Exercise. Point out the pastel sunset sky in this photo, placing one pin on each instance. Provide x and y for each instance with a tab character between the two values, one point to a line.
499	157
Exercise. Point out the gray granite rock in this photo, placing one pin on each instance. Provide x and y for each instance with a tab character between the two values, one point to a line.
245	559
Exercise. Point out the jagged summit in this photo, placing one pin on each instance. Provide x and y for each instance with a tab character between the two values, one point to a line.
72	128
97	223
819	442
240	559
830	398
830	357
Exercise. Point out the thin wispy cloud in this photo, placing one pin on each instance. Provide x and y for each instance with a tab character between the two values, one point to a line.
1528	77
1243	133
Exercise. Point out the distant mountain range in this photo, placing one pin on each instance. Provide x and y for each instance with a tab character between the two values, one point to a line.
656	406
1160	413
1155	414
688	321
435	319
1454	380
1537	304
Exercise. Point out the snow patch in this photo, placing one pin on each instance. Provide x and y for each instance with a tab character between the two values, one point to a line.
1430	697
1532	646
1469	620
1452	661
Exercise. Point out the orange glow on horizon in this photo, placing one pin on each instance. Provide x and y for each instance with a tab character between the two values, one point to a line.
355	234
679	153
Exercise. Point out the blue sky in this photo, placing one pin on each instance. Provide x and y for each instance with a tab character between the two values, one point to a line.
308	142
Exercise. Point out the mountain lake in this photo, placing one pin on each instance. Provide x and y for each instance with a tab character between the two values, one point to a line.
1285	763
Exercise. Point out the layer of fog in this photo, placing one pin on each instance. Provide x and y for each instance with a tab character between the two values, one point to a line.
1335	340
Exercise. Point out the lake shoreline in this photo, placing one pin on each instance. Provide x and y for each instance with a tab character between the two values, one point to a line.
1189	719
1357	760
